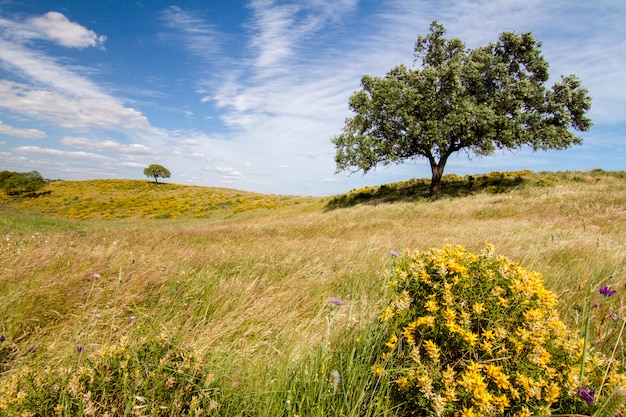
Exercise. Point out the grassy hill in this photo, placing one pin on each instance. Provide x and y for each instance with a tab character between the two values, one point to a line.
135	199
240	304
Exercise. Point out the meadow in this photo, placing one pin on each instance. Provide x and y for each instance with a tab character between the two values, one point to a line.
129	298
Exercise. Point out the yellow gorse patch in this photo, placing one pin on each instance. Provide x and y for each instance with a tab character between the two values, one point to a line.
478	335
119	199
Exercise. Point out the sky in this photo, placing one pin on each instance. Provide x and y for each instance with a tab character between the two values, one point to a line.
248	94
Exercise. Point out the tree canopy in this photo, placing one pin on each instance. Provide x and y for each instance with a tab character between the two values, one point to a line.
155	171
14	183
475	100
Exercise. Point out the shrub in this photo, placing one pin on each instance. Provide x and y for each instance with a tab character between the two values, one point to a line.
478	335
154	377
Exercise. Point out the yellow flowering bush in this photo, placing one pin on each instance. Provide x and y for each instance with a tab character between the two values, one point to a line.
478	335
154	376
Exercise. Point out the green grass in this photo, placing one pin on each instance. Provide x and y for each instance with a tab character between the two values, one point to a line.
229	304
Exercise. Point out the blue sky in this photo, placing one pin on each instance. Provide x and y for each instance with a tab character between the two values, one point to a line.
248	94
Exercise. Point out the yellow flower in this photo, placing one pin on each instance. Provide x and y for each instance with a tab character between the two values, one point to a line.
387	314
450	394
489	335
490	248
426	321
552	393
378	370
431	306
478	308
403	383
472	378
482	398
432	350
393	340
469	412
547	298
439	404
403	301
415	355
534	315
501	401
449	315
497	376
469	337
409	332
448	376
503	302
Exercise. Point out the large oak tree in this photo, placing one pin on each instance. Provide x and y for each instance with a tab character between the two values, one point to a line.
460	99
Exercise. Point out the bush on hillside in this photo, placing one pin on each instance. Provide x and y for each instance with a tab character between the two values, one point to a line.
477	335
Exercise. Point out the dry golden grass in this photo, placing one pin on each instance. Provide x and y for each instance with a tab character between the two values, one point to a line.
255	287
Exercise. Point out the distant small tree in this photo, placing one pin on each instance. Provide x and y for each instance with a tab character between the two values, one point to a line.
32	181
21	182
155	171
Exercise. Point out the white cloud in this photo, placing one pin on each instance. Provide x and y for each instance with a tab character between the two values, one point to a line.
39	151
43	70
229	173
69	112
107	146
20	132
56	92
196	35
56	27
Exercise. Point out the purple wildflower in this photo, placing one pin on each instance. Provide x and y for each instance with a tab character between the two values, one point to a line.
607	291
394	253
336	301
2	338
79	349
96	276
587	394
132	261
612	316
132	318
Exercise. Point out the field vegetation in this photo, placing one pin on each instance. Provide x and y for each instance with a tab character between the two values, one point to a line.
131	298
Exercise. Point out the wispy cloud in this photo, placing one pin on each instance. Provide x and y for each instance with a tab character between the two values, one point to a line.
192	32
106	146
67	111
54	27
55	92
40	151
21	132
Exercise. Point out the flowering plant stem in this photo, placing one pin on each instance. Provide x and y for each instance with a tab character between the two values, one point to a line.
608	366
585	348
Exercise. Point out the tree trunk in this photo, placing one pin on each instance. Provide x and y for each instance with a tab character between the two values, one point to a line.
437	170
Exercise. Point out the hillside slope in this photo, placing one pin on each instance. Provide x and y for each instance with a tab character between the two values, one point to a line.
263	304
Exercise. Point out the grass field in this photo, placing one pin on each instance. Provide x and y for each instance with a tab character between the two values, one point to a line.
141	299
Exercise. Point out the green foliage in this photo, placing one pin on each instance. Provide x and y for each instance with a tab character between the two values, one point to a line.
155	171
474	100
17	183
478	335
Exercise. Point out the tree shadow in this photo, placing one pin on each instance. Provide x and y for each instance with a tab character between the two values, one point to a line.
419	189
